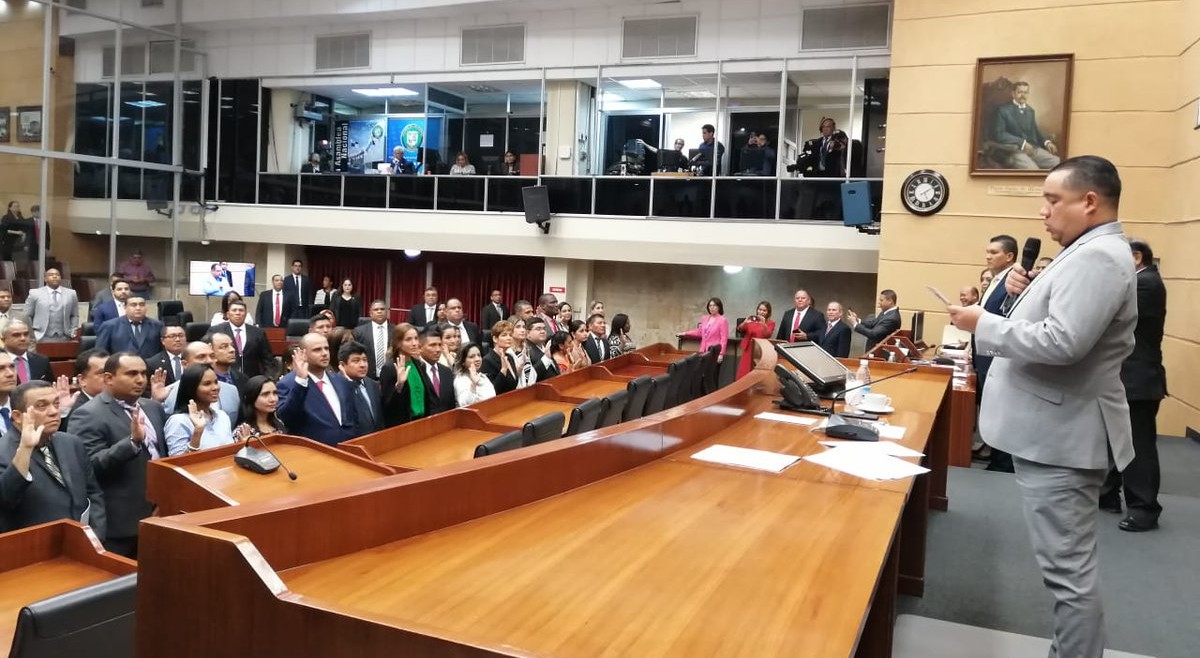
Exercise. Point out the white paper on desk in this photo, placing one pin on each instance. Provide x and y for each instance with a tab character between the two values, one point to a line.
866	464
760	460
786	418
881	447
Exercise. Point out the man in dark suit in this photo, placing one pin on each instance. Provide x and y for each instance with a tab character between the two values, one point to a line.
822	157
376	337
315	401
45	475
298	288
224	361
1145	382
468	331
422	314
596	344
835	337
999	255
122	432
800	320
548	312
29	365
254	356
535	338
313	166
368	402
170	359
134	333
114	307
882	325
89	373
1015	126
274	306
439	380
493	312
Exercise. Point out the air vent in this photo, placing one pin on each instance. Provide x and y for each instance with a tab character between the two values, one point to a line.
828	28
133	60
343	51
659	37
162	57
503	44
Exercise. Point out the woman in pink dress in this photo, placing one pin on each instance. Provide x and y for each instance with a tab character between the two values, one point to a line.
759	325
713	329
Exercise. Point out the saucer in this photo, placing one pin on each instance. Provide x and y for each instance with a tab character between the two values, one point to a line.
875	410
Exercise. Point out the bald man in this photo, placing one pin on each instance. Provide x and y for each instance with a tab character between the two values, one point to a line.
315	401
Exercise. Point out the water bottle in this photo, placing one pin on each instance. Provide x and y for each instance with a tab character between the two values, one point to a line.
859	385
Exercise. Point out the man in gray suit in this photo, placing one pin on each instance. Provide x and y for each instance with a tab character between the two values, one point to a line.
1054	398
53	310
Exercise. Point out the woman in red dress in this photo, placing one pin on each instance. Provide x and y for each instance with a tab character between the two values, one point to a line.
759	325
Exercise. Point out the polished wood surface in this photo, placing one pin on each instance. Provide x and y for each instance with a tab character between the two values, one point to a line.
962	420
520	414
210	478
64	351
596	388
444	448
635	370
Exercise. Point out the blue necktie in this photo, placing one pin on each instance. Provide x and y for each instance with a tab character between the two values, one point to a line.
5	414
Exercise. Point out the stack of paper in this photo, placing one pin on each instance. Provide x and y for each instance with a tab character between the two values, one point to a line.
787	418
760	460
866	463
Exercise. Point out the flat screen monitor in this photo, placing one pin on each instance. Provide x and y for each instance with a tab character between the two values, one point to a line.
820	366
210	278
918	326
536	199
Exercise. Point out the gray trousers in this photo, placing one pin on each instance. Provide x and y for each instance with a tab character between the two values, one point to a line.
1061	505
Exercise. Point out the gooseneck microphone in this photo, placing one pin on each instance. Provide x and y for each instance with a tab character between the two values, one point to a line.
1029	256
843	393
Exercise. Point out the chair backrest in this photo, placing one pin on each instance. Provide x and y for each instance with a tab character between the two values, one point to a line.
88	329
87	342
639	391
168	308
296	328
678	371
711	375
543	429
196	330
94	621
502	443
614	408
660	387
585	417
694	369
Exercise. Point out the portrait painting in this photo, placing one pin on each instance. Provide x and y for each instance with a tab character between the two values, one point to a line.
29	124
1021	119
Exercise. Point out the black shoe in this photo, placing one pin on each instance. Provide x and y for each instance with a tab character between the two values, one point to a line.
1111	505
1133	524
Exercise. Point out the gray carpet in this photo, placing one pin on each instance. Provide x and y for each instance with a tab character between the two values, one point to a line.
980	569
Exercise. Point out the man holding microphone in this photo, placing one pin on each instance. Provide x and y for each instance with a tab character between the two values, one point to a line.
1054	398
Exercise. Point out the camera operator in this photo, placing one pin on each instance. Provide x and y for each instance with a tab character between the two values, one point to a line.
822	157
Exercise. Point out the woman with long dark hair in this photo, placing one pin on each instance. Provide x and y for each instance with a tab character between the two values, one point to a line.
400	382
713	328
347	306
197	422
759	325
579	335
259	402
619	340
470	384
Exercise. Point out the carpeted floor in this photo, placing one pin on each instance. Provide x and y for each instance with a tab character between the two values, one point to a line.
980	569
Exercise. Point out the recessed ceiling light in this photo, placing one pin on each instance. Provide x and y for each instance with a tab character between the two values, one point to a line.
386	92
732	269
145	104
642	83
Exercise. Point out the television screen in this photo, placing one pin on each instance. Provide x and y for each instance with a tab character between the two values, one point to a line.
210	278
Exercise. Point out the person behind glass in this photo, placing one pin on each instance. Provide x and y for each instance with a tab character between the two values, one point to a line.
712	329
498	365
470	384
577	356
709	147
325	294
347	307
12	231
197	422
758	325
313	166
399	164
510	166
400	381
462	166
259	402
451	342
668	160
519	352
768	162
619	340
222	316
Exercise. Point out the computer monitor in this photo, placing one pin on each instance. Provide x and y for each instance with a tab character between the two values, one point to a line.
918	326
751	160
670	159
826	372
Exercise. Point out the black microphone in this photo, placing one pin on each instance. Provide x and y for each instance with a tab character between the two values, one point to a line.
844	391
1029	256
253	459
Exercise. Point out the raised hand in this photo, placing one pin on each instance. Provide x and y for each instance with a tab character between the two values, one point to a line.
30	436
242	432
62	386
199	418
300	364
136	431
158	385
401	371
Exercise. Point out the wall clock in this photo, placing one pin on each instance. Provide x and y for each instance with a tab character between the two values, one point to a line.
925	192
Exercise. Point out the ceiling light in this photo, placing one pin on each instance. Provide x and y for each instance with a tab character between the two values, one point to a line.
642	83
145	104
412	253
732	269
386	92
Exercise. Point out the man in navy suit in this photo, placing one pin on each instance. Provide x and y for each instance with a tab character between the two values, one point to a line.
1001	254
112	308
368	402
423	314
314	401
299	290
835	336
134	333
802	322
439	380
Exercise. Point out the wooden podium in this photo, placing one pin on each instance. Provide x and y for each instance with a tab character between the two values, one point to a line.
47	560
209	478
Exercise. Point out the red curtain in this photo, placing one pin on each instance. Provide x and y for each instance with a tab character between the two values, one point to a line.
408	284
472	277
366	268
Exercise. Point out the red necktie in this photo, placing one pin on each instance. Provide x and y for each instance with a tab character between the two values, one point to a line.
22	370
277	318
433	376
796	321
237	339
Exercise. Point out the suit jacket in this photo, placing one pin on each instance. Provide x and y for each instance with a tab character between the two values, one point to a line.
162	361
397	402
491	369
594	352
812	323
103	313
538	356
368	417
809	160
24	503
64	419
120	465
878	327
365	336
489	316
417	316
1013	127
835	341
992	302
309	168
306	412
471	332
37	309
302	299
1142	373
1054	393
256	357
117	336
39	366
264	314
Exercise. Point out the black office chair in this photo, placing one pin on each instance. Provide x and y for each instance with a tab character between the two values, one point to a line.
660	387
613	408
168	312
737	323
89	329
710	372
296	328
585	417
94	621
639	391
502	443
541	430
87	343
196	330
678	372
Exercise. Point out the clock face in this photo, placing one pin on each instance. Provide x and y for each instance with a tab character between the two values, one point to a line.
925	192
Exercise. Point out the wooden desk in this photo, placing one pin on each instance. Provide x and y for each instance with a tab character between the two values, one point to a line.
527	411
59	351
209	478
636	370
595	388
441	439
47	560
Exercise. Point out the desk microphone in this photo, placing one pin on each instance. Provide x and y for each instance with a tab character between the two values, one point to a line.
844	391
1029	256
253	459
848	425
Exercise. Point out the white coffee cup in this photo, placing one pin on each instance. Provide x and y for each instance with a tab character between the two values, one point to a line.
876	401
